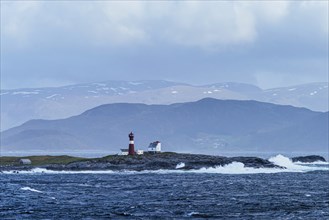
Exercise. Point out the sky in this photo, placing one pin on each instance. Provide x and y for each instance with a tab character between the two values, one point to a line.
265	43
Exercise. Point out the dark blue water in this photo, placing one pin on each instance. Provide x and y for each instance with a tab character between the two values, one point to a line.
165	196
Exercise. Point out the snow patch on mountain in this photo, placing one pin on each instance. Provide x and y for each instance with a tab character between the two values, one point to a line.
25	93
135	83
52	96
66	101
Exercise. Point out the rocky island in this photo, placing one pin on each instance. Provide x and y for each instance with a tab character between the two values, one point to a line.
308	159
168	161
165	160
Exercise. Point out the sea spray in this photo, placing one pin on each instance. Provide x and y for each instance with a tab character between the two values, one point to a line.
31	189
180	165
232	168
176	195
294	167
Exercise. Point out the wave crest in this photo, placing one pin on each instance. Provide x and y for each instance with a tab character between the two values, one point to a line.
31	189
232	168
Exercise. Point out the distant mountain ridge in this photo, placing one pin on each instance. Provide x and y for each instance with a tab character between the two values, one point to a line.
205	126
21	105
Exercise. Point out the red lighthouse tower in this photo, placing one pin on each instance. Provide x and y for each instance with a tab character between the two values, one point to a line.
131	150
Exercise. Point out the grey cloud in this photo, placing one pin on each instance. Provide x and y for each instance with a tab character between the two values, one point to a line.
268	44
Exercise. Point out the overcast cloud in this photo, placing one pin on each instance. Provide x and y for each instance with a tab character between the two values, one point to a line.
269	44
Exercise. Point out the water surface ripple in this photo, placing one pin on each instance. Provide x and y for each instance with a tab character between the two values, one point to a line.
165	196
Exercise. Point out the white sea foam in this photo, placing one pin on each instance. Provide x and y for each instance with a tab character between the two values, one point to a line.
294	167
312	163
31	189
236	168
282	161
193	213
232	168
45	171
180	165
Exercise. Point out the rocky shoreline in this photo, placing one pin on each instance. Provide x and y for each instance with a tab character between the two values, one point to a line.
308	159
164	161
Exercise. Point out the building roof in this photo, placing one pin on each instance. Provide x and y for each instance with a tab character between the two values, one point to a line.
27	161
154	144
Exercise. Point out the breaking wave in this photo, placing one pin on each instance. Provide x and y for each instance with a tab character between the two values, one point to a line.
31	189
312	163
232	168
296	167
180	165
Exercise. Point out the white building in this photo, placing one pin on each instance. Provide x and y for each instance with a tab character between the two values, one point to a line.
125	152
140	152
25	161
155	147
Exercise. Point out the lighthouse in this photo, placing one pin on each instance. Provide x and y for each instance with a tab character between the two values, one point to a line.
131	150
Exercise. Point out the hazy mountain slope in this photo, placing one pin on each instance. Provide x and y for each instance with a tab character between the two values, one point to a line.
313	96
208	125
21	105
301	135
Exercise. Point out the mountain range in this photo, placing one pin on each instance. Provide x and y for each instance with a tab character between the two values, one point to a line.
21	105
205	126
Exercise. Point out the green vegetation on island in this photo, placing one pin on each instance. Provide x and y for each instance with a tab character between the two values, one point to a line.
147	161
40	160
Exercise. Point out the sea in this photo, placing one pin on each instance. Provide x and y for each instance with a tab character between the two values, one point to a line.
230	192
